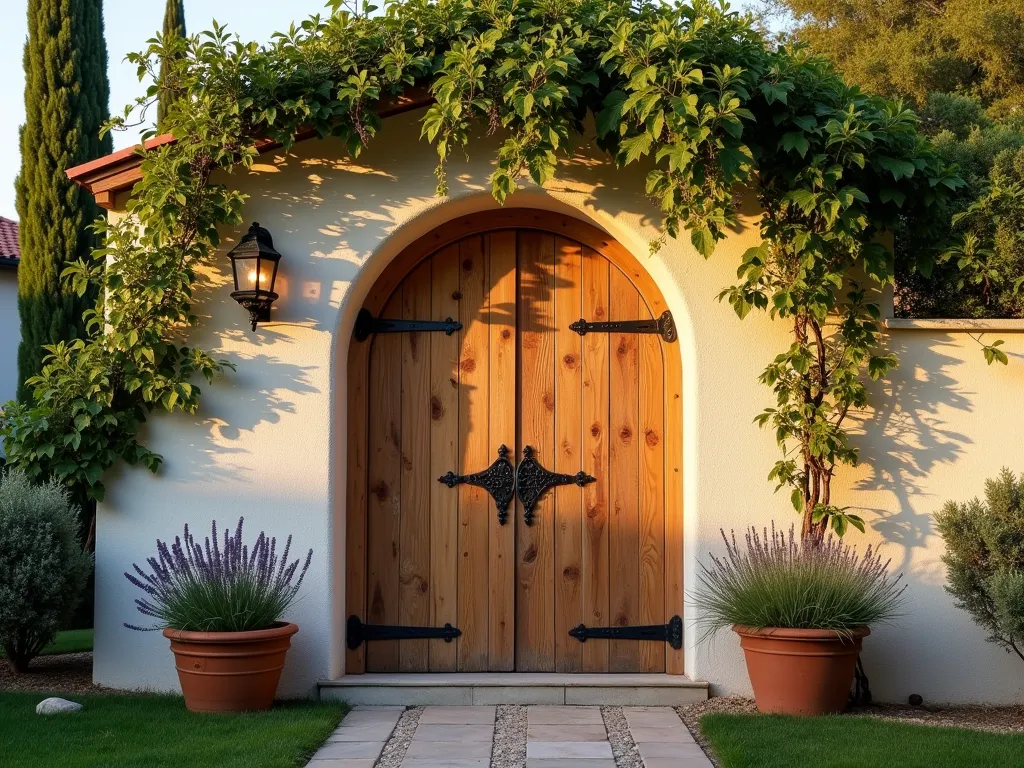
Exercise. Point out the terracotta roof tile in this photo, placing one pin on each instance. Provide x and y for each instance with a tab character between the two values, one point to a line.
10	252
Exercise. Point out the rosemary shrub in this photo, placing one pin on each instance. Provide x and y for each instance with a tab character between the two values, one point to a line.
776	580
218	587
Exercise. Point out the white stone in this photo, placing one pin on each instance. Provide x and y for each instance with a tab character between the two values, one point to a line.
55	706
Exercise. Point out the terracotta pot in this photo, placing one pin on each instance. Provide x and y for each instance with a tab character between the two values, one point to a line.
800	671
230	671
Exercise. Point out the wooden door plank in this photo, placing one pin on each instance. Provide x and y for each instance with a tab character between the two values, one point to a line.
355	498
652	494
595	459
623	486
568	459
476	454
535	635
414	547
384	509
444	457
502	560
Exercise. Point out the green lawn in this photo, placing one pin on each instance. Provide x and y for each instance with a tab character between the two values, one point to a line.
69	641
768	741
158	732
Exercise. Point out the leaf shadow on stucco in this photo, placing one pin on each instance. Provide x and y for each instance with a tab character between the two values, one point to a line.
904	438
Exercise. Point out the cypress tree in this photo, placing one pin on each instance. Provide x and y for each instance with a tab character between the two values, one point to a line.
66	102
174	25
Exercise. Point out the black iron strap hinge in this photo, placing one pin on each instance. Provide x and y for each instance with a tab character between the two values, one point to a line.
357	633
367	325
499	480
664	326
671	633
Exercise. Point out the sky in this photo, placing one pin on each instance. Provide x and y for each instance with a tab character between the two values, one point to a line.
129	23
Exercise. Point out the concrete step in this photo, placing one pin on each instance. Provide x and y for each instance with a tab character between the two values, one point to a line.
468	688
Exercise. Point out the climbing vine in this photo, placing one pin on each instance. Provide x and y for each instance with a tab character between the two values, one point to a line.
690	90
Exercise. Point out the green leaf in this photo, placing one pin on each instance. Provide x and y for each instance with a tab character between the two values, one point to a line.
703	240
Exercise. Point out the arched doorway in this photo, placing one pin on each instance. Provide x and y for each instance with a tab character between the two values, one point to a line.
529	361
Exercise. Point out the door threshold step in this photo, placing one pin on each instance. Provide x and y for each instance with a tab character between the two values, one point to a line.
468	688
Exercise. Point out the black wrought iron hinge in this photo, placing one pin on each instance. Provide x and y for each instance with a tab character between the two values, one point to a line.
671	633
357	633
367	325
499	480
532	481
664	326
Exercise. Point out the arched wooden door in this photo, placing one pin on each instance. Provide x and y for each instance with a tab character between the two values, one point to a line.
586	416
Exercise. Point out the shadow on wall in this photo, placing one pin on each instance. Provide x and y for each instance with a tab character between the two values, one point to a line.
904	438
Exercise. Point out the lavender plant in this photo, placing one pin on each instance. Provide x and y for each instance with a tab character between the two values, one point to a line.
777	580
218	587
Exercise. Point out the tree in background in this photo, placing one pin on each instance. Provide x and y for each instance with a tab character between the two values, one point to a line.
174	27
910	49
959	63
66	96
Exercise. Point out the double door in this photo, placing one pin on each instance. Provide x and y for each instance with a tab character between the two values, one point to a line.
512	497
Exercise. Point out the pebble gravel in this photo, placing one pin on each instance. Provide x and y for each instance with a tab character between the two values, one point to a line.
394	750
510	726
624	749
61	673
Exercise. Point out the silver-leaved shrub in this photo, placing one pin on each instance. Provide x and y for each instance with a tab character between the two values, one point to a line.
43	569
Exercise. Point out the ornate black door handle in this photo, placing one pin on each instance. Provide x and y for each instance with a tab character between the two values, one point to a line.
499	480
532	480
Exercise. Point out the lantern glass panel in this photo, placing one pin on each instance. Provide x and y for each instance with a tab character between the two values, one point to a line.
254	274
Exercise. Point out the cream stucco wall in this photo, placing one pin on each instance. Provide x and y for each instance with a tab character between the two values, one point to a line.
269	441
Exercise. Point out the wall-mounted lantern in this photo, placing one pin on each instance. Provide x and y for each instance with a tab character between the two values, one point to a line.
254	267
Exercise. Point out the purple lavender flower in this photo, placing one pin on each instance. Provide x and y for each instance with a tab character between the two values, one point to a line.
221	586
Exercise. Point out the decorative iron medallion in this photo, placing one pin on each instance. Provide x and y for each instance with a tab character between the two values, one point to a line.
532	481
664	326
357	633
499	480
367	325
671	633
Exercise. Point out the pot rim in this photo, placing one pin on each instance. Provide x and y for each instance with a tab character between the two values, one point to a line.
792	633
279	629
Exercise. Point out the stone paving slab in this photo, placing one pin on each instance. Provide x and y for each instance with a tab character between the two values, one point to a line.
479	715
440	732
568	749
558	762
336	749
651	750
439	749
554	715
566	733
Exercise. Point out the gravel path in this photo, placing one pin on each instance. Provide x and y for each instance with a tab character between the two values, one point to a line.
63	673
